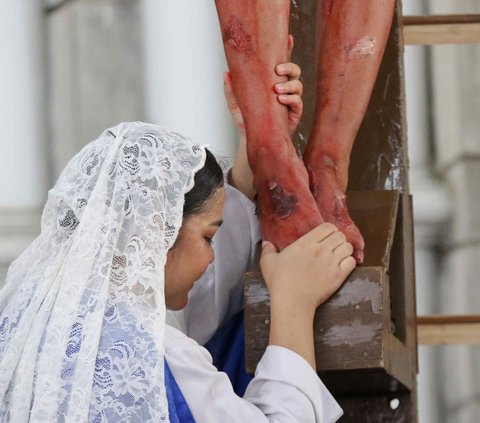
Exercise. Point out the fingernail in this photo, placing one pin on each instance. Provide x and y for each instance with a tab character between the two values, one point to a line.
280	88
280	69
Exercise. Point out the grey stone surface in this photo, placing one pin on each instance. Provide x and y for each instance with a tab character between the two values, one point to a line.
18	228
449	7
460	289
458	383
464	180
3	275
456	91
459	371
54	3
456	101
95	71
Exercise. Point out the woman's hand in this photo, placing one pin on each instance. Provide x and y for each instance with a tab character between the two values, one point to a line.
299	279
289	93
310	270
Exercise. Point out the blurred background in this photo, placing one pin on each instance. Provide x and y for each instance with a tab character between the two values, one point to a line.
71	68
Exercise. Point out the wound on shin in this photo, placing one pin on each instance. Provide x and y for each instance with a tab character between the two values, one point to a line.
365	46
235	37
284	204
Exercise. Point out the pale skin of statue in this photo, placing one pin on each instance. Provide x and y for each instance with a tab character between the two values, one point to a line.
292	275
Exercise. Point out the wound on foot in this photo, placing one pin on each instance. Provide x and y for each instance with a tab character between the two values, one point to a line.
284	203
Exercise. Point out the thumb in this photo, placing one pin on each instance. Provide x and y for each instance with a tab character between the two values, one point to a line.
227	80
268	248
228	91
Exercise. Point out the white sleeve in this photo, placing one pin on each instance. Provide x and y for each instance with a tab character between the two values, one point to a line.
220	289
285	387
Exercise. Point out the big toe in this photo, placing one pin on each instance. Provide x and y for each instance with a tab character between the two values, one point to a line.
355	238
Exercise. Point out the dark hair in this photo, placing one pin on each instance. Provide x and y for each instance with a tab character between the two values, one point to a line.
207	180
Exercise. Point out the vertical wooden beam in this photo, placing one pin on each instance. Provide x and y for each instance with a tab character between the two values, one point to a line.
365	380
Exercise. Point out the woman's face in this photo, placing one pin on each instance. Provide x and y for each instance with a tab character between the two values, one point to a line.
192	252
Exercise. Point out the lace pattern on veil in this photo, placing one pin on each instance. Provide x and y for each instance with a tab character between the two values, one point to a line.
82	317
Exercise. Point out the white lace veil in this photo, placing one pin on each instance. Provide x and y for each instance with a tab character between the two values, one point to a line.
82	315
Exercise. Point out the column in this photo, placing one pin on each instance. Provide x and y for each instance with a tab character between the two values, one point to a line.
431	211
184	69
456	102
23	149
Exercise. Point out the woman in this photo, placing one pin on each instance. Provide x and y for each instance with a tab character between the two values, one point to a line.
126	231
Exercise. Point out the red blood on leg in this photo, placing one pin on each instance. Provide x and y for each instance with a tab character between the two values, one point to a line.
235	37
255	36
351	40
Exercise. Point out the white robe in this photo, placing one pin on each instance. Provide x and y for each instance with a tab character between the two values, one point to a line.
285	387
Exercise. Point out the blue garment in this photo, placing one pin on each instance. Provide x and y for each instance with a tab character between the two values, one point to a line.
227	348
177	406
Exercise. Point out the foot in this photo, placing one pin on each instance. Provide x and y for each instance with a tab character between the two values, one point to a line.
331	202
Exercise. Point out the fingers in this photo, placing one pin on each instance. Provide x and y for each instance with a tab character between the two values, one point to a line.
343	250
334	240
295	105
290	93
293	86
318	234
290	70
347	265
329	238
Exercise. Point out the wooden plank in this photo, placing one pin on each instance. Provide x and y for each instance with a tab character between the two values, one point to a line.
440	19
440	319
365	335
427	34
380	408
445	330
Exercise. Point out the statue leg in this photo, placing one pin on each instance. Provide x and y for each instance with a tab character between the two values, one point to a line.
351	39
255	37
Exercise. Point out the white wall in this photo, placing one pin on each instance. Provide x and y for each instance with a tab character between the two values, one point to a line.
431	211
455	111
23	148
443	92
184	69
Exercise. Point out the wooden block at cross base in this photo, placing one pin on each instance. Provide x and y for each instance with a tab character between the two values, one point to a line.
396	407
365	339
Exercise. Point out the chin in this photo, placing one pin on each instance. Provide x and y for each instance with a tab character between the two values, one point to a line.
177	305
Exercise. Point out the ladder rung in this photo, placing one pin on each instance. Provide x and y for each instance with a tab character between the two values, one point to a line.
441	29
440	19
468	33
442	330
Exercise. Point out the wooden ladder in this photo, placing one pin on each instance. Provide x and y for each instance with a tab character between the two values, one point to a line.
431	30
441	29
444	330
